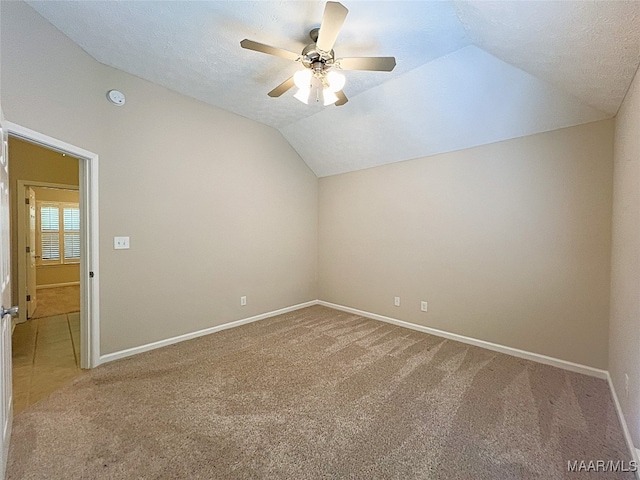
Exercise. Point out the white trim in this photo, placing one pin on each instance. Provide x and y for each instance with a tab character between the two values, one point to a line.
47	141
635	454
90	292
89	234
6	438
57	285
536	357
188	336
22	259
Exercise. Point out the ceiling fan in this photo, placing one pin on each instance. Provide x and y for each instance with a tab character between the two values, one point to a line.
320	80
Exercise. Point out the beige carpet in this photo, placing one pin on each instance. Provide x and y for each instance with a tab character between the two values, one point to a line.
56	301
319	393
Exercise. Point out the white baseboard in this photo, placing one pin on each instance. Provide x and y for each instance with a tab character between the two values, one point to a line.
57	285
536	357
109	357
635	453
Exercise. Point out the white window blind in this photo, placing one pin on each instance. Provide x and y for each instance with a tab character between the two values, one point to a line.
50	219
50	237
71	246
50	246
71	219
59	233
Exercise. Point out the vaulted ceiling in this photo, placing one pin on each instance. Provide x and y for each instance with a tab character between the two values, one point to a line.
468	72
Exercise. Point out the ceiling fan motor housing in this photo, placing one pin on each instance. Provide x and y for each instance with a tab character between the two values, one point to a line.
311	56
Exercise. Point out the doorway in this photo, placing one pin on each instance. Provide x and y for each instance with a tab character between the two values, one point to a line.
87	188
47	236
46	216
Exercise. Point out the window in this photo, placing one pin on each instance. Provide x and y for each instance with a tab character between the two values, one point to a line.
49	233
59	232
71	222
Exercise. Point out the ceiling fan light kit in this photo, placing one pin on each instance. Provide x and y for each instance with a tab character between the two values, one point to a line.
335	80
302	79
319	76
324	95
324	85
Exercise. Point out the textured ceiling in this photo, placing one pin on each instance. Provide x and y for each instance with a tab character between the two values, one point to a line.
464	99
467	73
588	48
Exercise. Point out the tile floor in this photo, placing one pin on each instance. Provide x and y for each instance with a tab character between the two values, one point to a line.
46	355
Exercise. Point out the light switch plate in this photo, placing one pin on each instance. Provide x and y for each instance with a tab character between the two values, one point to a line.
120	243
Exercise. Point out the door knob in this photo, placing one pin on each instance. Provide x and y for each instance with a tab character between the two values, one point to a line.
13	311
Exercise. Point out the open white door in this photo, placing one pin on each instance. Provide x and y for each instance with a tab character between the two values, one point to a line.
6	312
31	251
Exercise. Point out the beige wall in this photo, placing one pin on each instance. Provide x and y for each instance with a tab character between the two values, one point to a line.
216	205
508	242
46	194
624	331
56	274
30	162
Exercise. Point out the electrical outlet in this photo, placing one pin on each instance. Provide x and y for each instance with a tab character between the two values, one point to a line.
423	306
396	301
626	385
243	301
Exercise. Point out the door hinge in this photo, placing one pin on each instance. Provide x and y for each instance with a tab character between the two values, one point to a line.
26	201
28	298
90	274
28	249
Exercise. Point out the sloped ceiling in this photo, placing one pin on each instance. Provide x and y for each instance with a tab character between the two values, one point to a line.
468	72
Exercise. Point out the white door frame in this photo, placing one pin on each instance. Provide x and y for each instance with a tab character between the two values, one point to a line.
89	271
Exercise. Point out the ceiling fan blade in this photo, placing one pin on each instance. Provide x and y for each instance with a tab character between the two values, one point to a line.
262	48
378	64
342	98
332	20
283	87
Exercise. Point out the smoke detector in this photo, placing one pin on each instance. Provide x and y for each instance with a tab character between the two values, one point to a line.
116	97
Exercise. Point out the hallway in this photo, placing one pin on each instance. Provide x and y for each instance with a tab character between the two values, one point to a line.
46	355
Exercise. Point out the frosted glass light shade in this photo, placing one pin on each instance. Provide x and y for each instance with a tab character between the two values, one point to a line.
303	95
329	97
302	79
336	81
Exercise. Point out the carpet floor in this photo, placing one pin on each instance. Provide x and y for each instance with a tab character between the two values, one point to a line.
56	301
319	393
